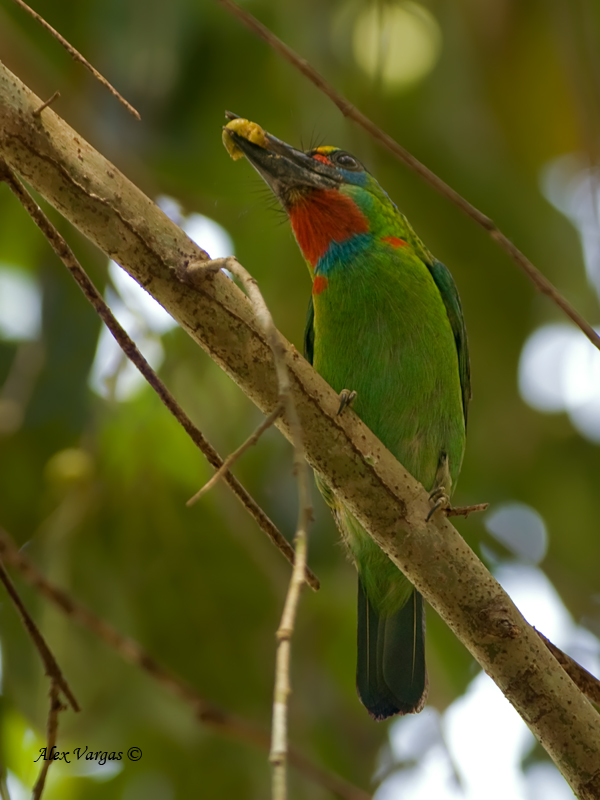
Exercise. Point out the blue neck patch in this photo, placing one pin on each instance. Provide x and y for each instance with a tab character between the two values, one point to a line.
339	252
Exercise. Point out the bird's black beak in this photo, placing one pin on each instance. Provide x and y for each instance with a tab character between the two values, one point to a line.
287	171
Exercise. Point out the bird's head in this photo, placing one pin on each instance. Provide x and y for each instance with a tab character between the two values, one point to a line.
327	193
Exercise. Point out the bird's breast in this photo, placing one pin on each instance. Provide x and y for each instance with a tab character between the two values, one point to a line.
386	335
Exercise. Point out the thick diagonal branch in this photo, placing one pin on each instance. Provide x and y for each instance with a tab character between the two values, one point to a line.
387	501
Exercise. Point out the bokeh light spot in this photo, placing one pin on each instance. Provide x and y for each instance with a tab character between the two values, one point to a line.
113	375
559	370
520	529
20	305
398	43
69	466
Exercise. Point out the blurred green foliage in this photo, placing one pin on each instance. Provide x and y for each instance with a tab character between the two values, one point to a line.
95	489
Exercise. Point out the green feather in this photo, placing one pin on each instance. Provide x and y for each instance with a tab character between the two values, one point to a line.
385	320
390	326
445	283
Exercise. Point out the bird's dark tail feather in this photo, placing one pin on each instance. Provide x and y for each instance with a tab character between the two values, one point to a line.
390	673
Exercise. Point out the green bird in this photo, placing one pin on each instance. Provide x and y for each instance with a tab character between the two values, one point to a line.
384	321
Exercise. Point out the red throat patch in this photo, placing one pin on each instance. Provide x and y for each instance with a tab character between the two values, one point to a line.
322	217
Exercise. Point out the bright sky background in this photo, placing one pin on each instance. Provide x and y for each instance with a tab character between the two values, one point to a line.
20	304
141	316
560	368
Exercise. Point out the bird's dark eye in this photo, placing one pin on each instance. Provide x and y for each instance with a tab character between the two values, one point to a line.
346	161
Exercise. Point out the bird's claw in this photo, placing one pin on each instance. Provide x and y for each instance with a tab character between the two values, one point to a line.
440	500
347	397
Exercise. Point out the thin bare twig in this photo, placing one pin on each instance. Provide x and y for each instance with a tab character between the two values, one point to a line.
541	283
231	459
279	735
64	252
48	102
205	711
51	667
78	57
464	511
52	670
52	732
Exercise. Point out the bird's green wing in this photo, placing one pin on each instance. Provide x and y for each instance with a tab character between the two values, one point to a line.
309	333
445	283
